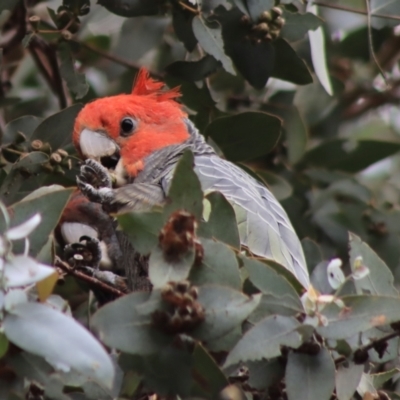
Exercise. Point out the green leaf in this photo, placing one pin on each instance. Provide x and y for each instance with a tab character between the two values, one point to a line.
193	70
255	61
26	169
225	308
381	378
4	343
131	8
182	23
75	80
296	134
245	136
269	281
57	129
162	271
209	379
209	37
77	7
142	229
297	25
288	65
122	324
347	379
279	186
362	312
265	373
219	266
380	280
318	53
26	208
34	326
265	339
342	155
185	190
312	253
22	127
34	368
310	377
256	7
8	5
221	222
385	7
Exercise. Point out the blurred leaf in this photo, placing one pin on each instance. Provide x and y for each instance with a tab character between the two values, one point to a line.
57	129
219	266
182	22
123	326
142	33
169	371
209	379
192	96
35	369
380	280
20	128
25	169
301	367
264	373
381	378
296	134
318	53
245	136
338	154
142	229
75	80
297	25
162	271
221	222
193	70
288	65
131	8
256	7
185	189
26	208
77	7
255	61
312	252
33	327
225	308
265	340
8	5
279	186
4	343
209	37
46	286
386	7
362	312
347	380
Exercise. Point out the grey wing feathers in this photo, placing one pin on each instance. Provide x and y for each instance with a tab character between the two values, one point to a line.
268	231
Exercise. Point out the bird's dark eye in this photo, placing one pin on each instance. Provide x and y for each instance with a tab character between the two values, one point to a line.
128	125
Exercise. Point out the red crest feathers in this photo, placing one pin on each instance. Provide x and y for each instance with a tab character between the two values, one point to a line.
144	85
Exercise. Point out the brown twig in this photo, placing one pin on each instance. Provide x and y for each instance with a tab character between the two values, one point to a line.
88	279
113	58
371	345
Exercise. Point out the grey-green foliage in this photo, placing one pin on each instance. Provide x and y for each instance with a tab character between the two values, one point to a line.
331	159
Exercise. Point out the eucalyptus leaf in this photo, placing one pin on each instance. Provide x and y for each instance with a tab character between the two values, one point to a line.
33	327
123	326
265	339
301	367
225	308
